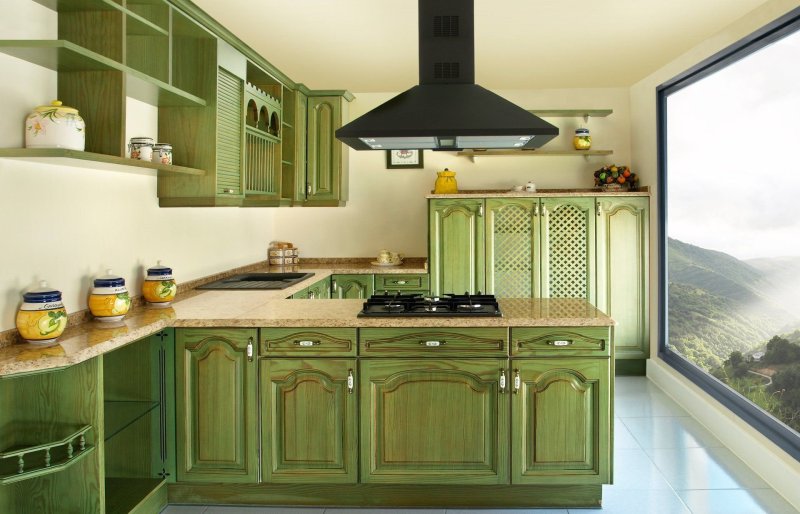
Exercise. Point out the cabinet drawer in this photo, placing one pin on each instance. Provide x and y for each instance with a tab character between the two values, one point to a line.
308	341
464	342
401	282
553	341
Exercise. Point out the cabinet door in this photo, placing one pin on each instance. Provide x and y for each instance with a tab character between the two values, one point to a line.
320	290
326	164
560	421
309	431
622	265
434	421
511	257
456	239
352	286
216	405
567	248
230	134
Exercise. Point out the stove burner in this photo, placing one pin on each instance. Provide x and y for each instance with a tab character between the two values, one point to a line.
469	306
394	307
401	305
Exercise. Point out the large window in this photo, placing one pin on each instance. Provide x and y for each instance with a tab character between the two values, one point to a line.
729	198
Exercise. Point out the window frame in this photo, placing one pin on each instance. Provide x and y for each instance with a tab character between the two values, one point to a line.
774	430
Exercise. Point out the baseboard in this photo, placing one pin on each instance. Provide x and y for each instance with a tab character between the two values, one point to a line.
630	367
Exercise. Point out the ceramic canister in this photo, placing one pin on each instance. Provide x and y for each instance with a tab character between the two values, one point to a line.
159	286
55	126
109	299
41	318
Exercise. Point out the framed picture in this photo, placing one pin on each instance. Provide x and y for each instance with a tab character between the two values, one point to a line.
404	159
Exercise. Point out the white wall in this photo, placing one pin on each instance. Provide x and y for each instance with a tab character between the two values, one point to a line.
66	224
387	208
774	465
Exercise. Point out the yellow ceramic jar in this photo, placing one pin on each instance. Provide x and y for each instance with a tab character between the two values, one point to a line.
159	286
582	139
445	183
109	299
41	318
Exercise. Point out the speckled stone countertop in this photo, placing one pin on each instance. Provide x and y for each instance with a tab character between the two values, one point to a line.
271	309
494	193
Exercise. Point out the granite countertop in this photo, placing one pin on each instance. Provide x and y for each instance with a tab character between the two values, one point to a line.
496	193
196	308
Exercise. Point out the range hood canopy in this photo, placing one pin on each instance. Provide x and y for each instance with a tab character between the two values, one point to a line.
447	111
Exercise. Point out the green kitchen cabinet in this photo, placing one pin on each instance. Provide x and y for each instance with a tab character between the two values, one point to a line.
327	158
456	245
320	290
541	247
434	421
561	416
309	420
623	271
404	283
352	286
216	405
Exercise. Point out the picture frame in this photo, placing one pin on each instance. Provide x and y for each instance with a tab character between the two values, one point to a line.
404	159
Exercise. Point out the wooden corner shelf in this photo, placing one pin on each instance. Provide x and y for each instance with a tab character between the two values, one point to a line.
48	450
76	158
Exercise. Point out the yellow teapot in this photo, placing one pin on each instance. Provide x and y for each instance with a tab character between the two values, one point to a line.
445	183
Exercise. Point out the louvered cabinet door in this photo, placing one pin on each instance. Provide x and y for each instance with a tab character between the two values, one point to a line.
511	256
567	248
230	134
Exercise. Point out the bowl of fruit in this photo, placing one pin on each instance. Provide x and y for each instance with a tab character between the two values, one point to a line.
615	177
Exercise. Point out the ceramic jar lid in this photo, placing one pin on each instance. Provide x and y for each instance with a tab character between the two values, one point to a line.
62	109
42	294
581	132
110	283
159	272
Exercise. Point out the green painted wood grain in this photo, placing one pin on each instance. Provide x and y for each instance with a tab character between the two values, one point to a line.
456	246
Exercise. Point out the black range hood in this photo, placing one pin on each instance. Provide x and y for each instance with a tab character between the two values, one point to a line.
447	110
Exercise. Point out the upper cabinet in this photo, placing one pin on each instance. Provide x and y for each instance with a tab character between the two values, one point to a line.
243	134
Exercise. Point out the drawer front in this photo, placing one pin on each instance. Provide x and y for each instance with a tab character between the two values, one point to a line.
430	342
393	282
308	341
555	341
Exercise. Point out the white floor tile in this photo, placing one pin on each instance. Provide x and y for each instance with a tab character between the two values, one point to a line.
704	468
228	509
669	432
643	501
384	511
184	509
623	439
633	469
736	501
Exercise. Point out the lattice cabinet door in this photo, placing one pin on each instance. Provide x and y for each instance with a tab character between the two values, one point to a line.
512	258
567	246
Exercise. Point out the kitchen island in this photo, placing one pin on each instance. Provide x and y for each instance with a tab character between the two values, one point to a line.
299	402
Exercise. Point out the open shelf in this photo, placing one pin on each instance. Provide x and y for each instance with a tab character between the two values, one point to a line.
124	495
76	158
40	450
119	415
571	113
60	55
528	153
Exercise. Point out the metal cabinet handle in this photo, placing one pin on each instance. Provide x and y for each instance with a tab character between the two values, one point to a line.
312	295
517	381
433	344
305	343
250	349
598	208
535	210
560	342
400	282
502	381
333	285
227	190
480	210
308	189
350	381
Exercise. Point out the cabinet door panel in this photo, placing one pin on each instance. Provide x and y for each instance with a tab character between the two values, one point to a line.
512	259
433	421
310	422
216	406
326	160
560	421
352	286
622	256
567	248
456	239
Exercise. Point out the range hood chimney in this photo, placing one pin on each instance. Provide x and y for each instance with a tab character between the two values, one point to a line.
447	110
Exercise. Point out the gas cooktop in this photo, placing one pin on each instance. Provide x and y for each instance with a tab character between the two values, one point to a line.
413	305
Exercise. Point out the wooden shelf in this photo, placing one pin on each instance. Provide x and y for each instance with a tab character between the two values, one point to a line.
124	495
571	113
75	158
530	153
119	415
60	55
37	451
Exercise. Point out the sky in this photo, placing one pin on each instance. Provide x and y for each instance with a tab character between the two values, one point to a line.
734	156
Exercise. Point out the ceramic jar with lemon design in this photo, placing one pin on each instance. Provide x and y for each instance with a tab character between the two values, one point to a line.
41	318
109	299
159	288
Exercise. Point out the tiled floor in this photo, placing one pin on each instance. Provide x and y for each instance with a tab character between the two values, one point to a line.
665	463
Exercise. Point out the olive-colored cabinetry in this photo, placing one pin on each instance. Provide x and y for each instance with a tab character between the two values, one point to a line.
216	405
352	286
623	272
456	246
309	407
326	157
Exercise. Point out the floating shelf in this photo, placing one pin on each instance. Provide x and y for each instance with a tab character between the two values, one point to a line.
529	153
62	447
119	415
91	160
60	55
571	113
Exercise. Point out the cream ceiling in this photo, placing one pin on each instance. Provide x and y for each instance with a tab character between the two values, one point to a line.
371	45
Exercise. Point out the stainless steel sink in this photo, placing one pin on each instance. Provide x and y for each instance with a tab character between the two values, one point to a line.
258	281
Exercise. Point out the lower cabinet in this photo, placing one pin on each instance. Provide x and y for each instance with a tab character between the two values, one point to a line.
352	286
216	405
309	420
434	421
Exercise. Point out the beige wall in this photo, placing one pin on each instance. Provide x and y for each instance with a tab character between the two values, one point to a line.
66	224
774	465
387	208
